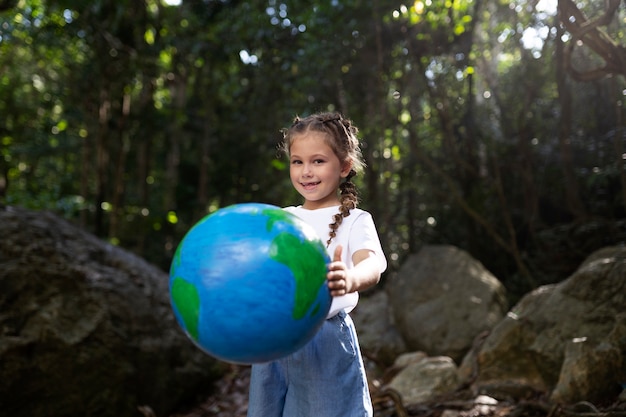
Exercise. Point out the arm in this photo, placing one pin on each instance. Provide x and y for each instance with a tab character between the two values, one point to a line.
365	274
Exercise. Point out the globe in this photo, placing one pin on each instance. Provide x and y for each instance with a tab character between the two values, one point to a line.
248	283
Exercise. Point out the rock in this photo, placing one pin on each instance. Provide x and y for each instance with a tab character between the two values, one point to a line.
378	337
567	339
423	380
583	366
87	328
442	298
406	359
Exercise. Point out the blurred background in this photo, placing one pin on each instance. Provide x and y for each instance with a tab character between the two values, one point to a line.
496	126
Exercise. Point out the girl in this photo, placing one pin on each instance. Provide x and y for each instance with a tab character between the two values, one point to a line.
326	377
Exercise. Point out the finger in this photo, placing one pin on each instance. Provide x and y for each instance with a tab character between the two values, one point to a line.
337	293
337	254
333	276
336	288
336	276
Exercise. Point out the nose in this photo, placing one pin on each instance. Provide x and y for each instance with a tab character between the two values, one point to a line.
306	170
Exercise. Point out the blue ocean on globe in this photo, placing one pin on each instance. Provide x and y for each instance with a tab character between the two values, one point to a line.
248	283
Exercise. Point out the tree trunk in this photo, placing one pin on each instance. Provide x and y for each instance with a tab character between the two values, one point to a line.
117	200
619	141
177	89
203	170
102	161
572	194
85	172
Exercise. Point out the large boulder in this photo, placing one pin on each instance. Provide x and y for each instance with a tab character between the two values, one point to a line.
442	298
566	339
86	327
424	379
378	337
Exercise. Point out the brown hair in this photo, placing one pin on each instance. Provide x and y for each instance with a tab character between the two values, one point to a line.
342	138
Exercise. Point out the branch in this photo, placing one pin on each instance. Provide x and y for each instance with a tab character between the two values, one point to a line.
592	36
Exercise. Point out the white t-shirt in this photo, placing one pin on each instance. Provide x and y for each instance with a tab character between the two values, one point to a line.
357	231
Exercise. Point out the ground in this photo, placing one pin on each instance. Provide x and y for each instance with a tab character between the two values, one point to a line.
231	400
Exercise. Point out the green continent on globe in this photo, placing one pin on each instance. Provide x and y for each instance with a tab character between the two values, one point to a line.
187	301
278	215
307	265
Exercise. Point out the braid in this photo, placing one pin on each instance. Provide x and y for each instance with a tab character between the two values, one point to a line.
349	200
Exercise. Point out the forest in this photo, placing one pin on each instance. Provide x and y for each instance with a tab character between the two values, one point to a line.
498	126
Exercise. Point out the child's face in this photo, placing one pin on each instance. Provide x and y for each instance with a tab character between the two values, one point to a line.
315	170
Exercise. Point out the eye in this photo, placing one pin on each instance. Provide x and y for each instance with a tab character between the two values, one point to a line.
319	161
296	162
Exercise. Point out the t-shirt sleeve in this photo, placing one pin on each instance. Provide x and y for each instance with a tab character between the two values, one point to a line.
363	235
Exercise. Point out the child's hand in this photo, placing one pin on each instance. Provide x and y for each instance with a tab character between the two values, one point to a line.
339	278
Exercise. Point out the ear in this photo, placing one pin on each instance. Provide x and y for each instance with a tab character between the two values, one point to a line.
345	169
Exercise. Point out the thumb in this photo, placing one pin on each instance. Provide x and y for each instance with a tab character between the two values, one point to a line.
337	254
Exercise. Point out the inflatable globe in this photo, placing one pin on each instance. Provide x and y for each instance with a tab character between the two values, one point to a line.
248	283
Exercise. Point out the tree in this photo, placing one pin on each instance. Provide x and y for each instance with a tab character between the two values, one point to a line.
135	119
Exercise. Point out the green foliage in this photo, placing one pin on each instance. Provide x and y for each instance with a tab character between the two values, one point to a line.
137	118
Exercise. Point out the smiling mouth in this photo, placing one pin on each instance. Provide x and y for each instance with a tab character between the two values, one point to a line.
309	185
